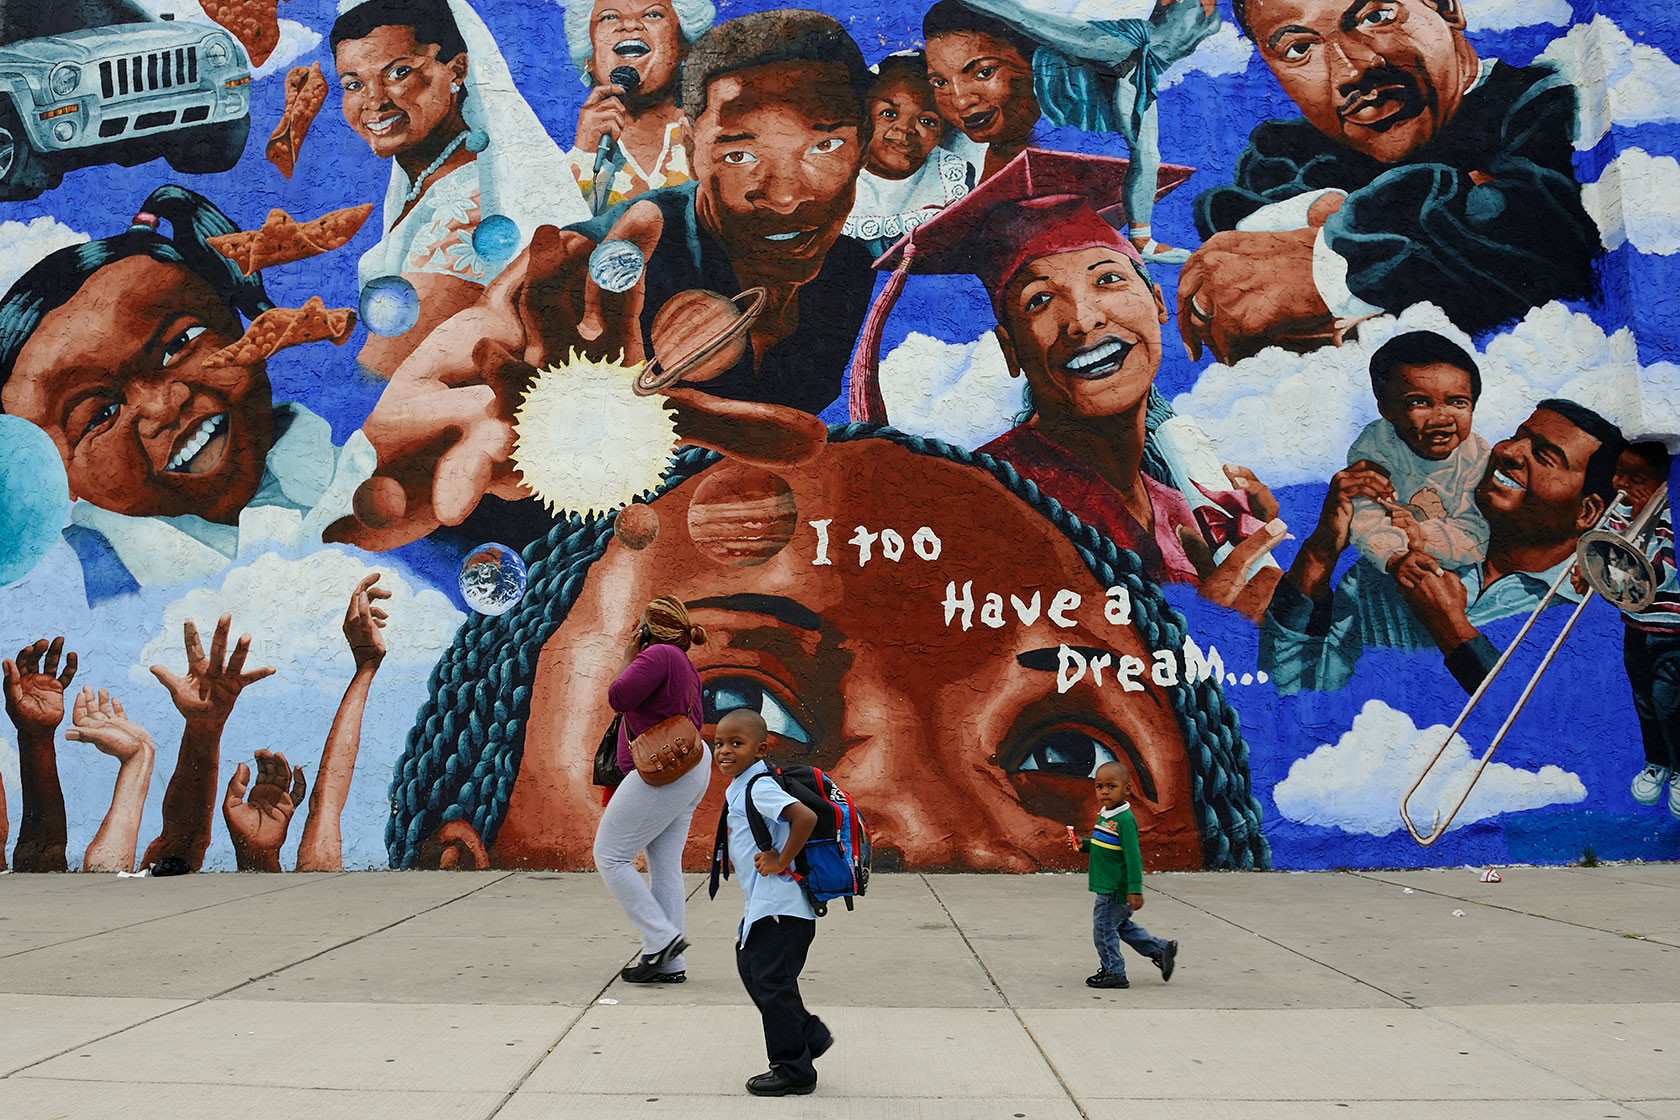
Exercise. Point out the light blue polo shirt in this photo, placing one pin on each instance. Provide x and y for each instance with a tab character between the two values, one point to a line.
766	896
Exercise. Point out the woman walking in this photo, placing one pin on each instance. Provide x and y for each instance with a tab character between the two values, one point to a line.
656	682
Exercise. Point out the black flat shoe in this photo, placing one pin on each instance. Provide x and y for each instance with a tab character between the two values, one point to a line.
647	969
776	1084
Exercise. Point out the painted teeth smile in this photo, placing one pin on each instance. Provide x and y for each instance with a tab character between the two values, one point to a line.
784	236
385	125
1502	479
632	48
195	443
1099	360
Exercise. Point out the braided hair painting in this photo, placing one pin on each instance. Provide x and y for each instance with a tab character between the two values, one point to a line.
463	754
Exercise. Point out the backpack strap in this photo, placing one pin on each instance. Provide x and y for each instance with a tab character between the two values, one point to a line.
720	853
755	819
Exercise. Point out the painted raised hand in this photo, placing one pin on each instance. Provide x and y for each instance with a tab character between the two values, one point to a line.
258	817
99	719
211	685
35	686
364	622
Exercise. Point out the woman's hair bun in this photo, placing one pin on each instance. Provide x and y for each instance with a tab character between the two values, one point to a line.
697	635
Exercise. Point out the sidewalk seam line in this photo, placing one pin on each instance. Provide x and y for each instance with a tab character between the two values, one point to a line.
1377	877
1007	1002
252	980
576	1019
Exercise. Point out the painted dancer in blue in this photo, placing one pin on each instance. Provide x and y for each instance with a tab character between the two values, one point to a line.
997	66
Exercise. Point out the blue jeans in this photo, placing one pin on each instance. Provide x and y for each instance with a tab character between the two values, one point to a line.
1652	661
1111	923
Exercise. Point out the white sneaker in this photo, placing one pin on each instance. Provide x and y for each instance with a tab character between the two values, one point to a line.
1648	786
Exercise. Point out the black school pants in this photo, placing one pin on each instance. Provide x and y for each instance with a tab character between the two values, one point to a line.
769	965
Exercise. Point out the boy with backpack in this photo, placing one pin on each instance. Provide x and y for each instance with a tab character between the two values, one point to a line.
779	921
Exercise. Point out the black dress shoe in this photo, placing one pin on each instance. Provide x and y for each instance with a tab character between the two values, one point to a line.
776	1084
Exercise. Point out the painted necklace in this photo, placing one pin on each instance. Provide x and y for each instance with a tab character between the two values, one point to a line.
443	157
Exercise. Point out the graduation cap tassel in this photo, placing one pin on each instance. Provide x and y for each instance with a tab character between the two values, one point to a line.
864	397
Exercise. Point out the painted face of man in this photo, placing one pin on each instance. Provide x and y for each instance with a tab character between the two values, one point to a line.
776	153
1382	77
1533	491
951	731
117	377
644	37
396	91
1084	327
907	126
983	85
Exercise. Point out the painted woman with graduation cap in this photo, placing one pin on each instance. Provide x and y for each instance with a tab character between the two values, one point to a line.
1079	317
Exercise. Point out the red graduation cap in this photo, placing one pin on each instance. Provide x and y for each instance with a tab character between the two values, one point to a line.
1039	203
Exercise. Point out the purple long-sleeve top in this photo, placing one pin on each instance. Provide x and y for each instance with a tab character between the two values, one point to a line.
660	683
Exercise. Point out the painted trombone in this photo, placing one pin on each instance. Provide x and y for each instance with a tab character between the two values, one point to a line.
1615	567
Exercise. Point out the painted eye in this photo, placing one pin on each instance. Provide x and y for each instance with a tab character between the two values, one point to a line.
352	86
936	83
727	693
1110	278
104	416
1377	16
1065	751
172	349
608	17
889	114
1038	300
1296	51
985	73
929	123
398	73
832	144
739	158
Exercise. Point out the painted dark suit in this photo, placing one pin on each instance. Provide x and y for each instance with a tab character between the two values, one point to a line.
805	369
1485	221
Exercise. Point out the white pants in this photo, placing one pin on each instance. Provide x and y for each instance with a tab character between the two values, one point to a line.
654	819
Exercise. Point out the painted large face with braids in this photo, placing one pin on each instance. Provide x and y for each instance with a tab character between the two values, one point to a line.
915	659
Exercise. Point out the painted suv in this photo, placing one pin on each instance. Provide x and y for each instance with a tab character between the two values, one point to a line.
84	82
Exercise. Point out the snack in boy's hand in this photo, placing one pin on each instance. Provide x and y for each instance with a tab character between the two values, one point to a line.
255	23
306	92
281	327
283	240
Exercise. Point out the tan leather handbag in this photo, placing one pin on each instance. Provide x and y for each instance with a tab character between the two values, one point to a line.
667	750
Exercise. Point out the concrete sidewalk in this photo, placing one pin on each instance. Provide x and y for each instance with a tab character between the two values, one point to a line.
454	995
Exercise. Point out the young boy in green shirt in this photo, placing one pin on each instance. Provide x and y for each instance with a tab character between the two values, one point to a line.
1116	878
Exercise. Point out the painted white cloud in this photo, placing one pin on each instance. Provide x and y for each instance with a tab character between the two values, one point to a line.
1290	417
1356	784
1637	200
294	610
1621	82
296	40
1226	51
24	244
960	392
1503	15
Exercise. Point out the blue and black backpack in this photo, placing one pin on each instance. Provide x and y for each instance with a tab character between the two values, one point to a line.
834	863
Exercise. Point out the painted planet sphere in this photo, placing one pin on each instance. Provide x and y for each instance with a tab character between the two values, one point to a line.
34	497
699	330
636	526
496	239
616	265
390	306
492	579
742	516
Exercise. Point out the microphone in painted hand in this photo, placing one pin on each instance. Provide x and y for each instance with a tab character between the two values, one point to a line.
630	81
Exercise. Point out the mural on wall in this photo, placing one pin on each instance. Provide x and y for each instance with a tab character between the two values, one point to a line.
1008	386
